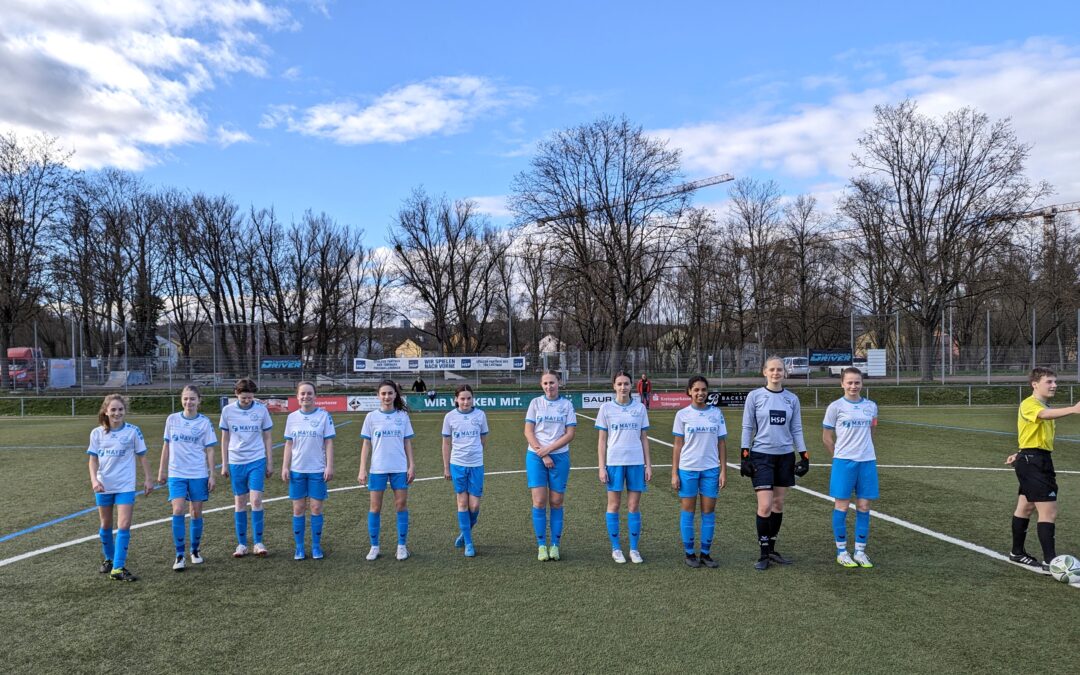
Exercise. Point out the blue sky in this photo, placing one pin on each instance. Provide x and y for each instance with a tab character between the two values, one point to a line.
345	107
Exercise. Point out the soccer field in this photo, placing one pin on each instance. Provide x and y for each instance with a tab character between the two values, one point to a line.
937	600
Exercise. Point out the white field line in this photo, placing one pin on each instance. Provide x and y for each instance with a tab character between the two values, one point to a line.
877	514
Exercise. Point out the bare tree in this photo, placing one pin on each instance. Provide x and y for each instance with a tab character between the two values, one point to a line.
754	218
945	188
33	185
605	191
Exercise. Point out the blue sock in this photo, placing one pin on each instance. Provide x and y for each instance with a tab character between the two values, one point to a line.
107	545
862	528
474	516
178	528
374	524
539	517
123	538
240	523
556	524
257	521
316	530
402	527
633	524
613	529
464	521
839	528
298	532
708	526
686	529
196	533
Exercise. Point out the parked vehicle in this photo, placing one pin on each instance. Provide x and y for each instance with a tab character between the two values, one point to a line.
796	365
26	368
835	371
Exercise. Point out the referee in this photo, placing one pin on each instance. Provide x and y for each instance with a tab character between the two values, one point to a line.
1035	468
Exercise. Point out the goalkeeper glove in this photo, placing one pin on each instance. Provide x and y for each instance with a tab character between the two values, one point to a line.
746	468
802	467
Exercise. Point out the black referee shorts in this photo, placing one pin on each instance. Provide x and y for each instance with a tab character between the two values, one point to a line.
772	470
1035	471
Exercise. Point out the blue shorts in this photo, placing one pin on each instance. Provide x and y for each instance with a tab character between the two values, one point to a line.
539	476
376	482
307	485
111	498
191	489
250	477
705	483
468	479
848	475
631	477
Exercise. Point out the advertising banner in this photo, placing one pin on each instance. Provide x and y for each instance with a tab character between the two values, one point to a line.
830	357
281	364
593	400
876	363
439	363
668	400
61	373
493	401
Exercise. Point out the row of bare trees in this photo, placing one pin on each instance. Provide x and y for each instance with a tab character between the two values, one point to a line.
608	253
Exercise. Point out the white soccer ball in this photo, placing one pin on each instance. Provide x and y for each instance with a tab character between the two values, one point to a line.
1065	568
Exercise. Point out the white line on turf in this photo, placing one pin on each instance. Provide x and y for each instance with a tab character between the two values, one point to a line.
877	514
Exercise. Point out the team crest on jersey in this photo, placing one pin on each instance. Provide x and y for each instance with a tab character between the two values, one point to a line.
313	422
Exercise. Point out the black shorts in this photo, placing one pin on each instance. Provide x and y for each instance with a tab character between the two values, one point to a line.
772	470
1035	471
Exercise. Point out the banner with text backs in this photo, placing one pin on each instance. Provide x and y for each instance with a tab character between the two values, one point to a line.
439	363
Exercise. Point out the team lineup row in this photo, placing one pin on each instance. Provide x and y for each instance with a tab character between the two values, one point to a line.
773	454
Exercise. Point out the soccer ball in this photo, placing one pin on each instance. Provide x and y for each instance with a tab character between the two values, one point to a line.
1065	568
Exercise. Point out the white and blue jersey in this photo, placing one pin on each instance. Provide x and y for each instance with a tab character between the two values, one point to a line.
245	427
701	431
550	420
116	451
188	439
308	431
772	422
853	422
623	424
387	432
465	431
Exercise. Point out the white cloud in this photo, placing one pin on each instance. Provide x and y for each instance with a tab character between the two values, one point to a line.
227	136
1036	84
116	81
494	206
291	74
441	105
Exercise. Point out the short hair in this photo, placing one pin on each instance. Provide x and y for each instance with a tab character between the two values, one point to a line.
1038	373
309	383
245	385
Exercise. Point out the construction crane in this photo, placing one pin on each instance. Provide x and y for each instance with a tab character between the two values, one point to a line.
684	188
1047	213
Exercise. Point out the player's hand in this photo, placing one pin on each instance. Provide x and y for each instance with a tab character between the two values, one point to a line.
210	484
148	487
269	470
97	485
802	467
410	474
284	474
603	475
362	477
225	471
160	480
446	473
648	473
328	474
723	477
675	480
548	461
746	467
1011	458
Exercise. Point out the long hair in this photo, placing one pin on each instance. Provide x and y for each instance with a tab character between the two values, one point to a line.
399	400
464	386
103	416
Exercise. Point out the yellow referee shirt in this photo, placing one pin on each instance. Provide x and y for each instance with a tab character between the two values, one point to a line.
1032	431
